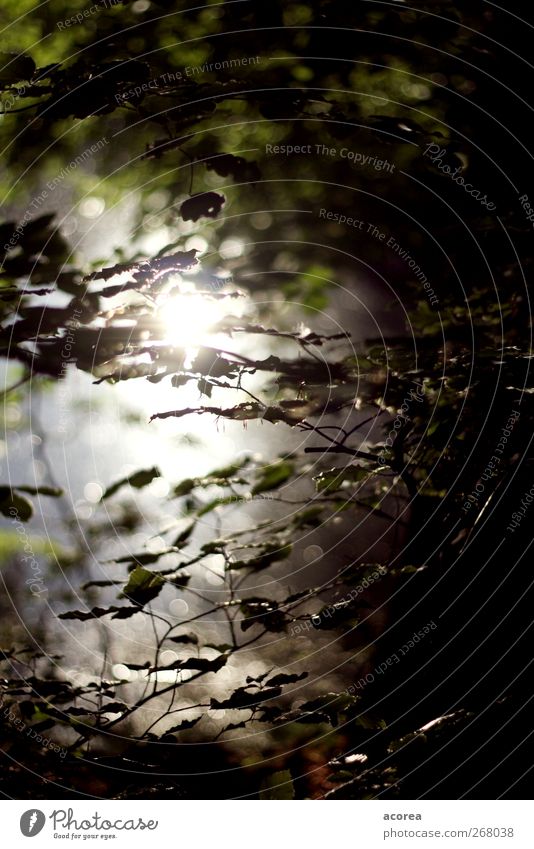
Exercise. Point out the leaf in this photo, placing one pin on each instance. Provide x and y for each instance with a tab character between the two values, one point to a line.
216	546
145	559
228	165
216	502
240	412
258	679
124	612
185	639
5	654
341	776
209	362
279	785
144	271
142	586
273	475
200	664
15	506
112	291
183	536
114	707
143	478
71	711
179	580
204	387
138	480
51	491
132	71
241	699
184	487
109	583
357	572
203	205
334	479
316	718
228	471
331	704
264	612
220	647
184	725
310	518
178	380
283	678
297	596
336	614
233	726
98	612
272	553
14	68
41	687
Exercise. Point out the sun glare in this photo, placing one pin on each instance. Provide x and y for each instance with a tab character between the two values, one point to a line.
188	318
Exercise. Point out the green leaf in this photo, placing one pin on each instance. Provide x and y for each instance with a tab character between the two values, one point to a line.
216	502
138	480
229	471
273	476
217	476
341	776
334	479
279	785
142	586
184	487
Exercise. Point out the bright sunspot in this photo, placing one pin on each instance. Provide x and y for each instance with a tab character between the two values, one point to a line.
188	317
